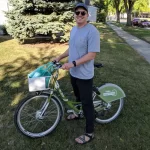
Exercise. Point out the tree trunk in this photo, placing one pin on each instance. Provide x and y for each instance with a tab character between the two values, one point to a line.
118	16
117	4
128	6
129	22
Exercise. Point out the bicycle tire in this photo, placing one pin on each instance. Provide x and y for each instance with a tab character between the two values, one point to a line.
27	115
110	112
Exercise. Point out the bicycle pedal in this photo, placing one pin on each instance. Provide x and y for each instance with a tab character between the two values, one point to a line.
80	114
70	111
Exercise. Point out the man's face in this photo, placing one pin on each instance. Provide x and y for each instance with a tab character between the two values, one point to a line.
81	16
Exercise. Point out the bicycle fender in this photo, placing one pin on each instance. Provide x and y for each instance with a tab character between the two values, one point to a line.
110	92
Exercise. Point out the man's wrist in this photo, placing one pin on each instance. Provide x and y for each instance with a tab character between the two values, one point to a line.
59	58
74	63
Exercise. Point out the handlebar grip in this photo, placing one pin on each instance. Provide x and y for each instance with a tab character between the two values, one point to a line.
57	64
54	61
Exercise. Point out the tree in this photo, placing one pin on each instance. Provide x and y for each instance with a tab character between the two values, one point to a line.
102	6
107	4
129	6
142	6
118	4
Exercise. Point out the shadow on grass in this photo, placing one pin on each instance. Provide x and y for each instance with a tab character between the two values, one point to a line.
13	83
14	87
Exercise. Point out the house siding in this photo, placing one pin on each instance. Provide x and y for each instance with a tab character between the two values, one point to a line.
3	7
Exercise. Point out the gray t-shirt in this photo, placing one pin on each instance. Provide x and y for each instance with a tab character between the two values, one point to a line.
83	40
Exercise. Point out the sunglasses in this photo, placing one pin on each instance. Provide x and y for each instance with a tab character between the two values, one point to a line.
83	13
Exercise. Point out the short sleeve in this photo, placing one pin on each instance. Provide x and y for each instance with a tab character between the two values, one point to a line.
94	41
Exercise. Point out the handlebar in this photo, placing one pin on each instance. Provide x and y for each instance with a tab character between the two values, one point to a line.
57	64
96	65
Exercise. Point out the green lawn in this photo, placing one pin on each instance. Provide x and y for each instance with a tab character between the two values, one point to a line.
122	66
141	33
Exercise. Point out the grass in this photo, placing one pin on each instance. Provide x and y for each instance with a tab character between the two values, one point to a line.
122	66
141	33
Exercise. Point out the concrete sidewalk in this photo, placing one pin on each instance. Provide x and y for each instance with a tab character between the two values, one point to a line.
142	47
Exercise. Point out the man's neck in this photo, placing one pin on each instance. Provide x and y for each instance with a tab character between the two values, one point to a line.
81	25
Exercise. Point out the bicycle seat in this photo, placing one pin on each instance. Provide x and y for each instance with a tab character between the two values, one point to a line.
98	65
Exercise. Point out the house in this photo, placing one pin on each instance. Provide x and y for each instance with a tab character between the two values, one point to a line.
3	7
144	15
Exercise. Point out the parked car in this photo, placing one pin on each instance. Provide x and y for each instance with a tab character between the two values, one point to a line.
135	21
144	23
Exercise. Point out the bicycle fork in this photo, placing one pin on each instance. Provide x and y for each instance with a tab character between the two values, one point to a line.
40	113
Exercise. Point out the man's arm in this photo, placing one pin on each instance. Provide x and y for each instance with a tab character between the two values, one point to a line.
82	60
85	58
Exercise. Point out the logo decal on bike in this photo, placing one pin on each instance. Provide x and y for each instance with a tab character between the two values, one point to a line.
110	93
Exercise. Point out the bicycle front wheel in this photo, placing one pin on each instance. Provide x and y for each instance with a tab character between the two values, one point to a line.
107	112
36	117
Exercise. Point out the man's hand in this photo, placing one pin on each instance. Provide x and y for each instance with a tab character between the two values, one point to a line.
57	59
67	66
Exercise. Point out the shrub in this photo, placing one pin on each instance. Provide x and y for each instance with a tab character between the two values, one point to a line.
28	19
101	17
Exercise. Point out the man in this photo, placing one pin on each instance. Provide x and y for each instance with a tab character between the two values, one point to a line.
83	44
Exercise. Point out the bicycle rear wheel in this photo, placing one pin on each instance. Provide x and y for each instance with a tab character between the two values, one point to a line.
107	112
36	117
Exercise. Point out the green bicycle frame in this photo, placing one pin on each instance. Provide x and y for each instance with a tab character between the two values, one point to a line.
56	87
108	92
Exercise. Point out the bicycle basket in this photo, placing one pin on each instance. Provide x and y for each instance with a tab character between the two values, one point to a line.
39	79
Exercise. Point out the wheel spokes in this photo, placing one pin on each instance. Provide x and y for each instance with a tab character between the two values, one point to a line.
30	116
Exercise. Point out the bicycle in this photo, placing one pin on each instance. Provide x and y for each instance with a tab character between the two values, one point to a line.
38	114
